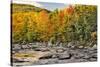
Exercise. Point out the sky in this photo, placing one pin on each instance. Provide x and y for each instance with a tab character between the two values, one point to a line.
46	5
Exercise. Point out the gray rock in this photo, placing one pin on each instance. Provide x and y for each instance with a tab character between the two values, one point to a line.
70	44
78	55
49	44
86	57
41	49
93	55
65	44
94	47
52	61
16	46
81	60
61	55
29	46
19	60
80	46
73	46
24	46
19	64
92	59
85	50
64	56
54	56
60	50
47	61
46	56
41	62
13	52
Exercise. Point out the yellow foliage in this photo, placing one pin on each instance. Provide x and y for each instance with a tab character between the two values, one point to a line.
94	35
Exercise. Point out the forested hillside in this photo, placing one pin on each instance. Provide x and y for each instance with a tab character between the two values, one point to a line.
25	8
76	23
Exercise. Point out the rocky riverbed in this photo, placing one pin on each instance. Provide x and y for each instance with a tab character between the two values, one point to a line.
52	55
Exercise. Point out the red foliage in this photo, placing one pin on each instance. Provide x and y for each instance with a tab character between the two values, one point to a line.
70	10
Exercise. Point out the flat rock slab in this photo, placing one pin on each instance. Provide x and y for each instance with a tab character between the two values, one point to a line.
29	56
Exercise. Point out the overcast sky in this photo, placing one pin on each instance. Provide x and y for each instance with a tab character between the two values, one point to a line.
46	5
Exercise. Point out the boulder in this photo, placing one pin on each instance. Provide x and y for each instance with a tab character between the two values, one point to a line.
16	47
24	46
70	44
41	49
92	59
64	56
78	55
80	47
86	57
48	56
60	50
94	47
54	56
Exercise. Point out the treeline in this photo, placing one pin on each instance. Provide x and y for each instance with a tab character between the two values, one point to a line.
77	23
